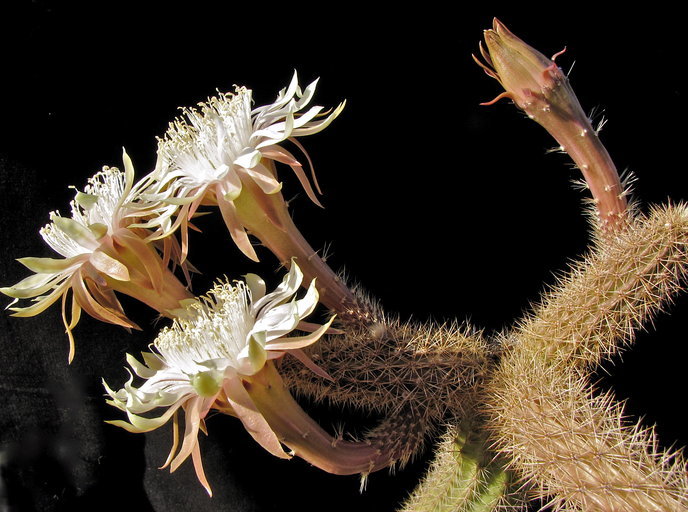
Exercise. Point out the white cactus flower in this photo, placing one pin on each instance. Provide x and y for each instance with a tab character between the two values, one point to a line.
201	361
211	154
85	242
102	254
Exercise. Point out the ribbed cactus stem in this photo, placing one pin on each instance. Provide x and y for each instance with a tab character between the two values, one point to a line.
392	364
401	435
574	447
464	476
622	284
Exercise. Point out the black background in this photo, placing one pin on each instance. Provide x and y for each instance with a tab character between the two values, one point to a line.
441	208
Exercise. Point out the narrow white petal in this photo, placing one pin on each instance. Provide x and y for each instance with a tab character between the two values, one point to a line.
248	158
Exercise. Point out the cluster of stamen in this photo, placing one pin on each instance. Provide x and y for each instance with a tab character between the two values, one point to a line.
100	203
204	142
215	327
107	188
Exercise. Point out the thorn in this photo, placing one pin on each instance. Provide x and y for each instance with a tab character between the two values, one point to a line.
570	69
364	482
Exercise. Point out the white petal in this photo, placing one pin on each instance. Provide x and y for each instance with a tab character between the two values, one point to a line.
288	287
307	95
307	304
278	321
109	266
249	158
256	286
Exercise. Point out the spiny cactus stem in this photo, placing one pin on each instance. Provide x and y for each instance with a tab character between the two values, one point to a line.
304	436
625	282
575	448
659	260
429	367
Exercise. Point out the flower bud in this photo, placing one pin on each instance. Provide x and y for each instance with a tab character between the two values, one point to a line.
538	87
534	82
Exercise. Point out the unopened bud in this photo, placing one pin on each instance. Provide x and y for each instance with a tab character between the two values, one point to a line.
537	86
534	82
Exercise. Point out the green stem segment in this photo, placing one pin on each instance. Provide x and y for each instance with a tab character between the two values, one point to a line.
464	476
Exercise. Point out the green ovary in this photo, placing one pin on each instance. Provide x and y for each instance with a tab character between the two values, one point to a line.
206	384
